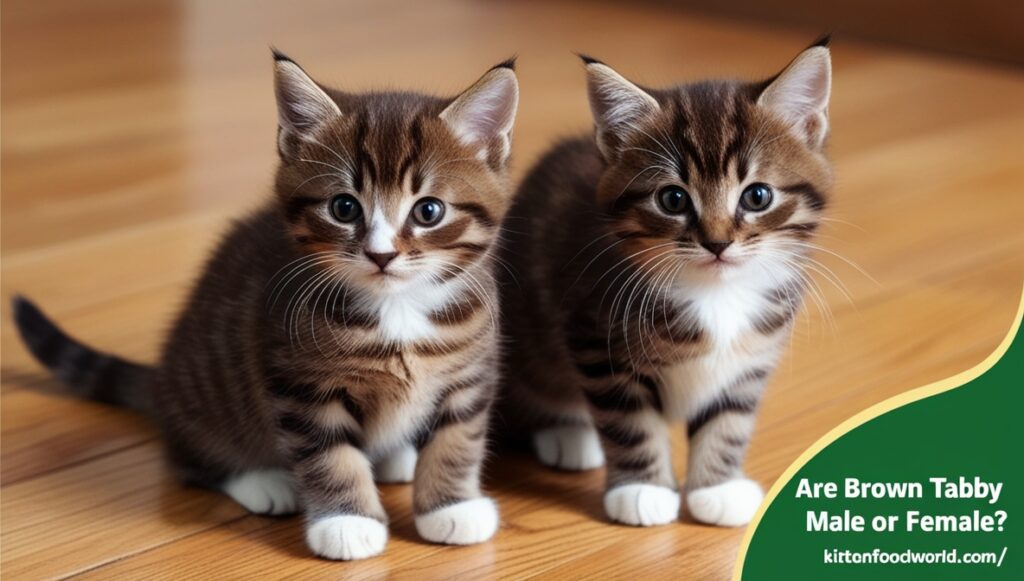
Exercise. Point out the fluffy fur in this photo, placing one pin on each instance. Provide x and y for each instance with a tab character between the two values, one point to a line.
659	269
351	322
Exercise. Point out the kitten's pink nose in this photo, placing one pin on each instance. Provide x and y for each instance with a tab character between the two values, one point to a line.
381	259
716	248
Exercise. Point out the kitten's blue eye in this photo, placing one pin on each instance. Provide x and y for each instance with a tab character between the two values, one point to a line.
345	208
673	199
428	211
756	197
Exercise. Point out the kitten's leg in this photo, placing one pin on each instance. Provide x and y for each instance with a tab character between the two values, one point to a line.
261	491
563	434
344	517
397	467
718	493
447	500
641	485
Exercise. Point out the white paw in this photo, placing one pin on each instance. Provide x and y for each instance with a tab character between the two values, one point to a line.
464	523
729	504
397	467
346	537
569	448
642	504
264	492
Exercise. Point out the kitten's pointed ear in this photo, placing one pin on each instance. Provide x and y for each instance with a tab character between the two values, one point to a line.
482	116
800	93
301	103
617	105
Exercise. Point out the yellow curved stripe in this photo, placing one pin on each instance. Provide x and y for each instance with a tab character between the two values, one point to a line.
870	413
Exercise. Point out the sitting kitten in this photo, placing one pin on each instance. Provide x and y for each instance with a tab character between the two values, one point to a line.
345	333
659	271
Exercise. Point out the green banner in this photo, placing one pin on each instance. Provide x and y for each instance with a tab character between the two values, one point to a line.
933	489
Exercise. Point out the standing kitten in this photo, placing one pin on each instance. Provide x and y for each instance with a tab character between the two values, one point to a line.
660	278
345	333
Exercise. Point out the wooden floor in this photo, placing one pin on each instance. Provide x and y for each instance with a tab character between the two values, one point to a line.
133	131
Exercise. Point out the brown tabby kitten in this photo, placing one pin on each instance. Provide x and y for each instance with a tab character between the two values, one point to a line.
660	271
346	332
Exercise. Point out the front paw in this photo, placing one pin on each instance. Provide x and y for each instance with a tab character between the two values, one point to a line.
569	448
346	537
642	505
729	504
264	492
464	523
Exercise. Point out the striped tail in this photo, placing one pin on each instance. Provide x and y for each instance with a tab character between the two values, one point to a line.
87	373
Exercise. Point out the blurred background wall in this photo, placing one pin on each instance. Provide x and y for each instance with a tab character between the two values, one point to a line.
992	29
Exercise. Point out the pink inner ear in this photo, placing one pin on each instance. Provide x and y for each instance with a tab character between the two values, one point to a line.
800	94
803	89
485	112
809	90
301	102
617	105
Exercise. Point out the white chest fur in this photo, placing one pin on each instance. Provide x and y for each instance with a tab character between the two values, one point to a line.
404	319
405	316
725	314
